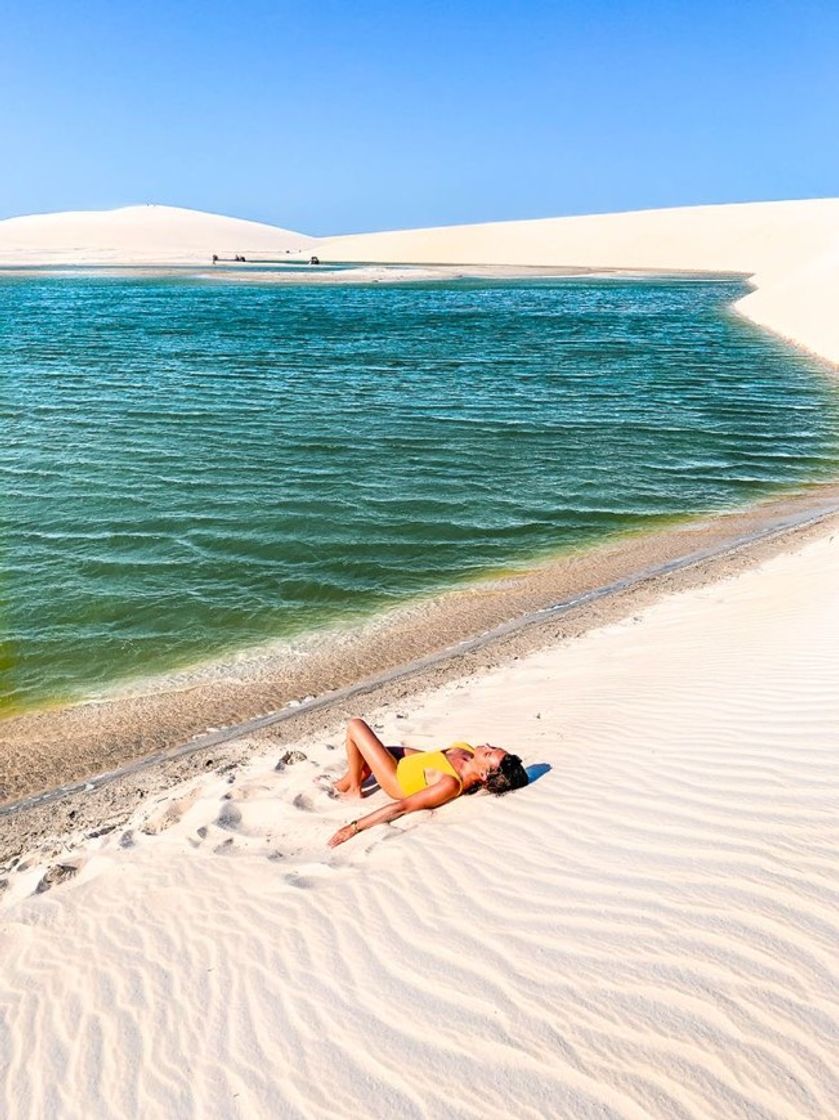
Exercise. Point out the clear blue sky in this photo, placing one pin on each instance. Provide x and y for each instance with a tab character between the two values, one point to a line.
352	115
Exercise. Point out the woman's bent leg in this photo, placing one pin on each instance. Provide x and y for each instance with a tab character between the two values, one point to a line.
367	754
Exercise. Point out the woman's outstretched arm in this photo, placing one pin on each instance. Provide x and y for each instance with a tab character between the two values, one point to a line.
446	789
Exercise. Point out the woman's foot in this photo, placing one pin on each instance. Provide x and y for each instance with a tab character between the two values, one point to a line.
345	789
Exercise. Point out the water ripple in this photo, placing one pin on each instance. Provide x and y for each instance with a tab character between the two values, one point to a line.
189	467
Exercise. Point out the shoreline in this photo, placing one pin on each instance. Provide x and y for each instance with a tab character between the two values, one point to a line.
239	661
355	272
552	604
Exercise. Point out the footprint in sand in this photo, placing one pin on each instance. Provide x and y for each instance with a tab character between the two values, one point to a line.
229	817
57	875
224	848
290	758
304	802
325	783
168	815
300	881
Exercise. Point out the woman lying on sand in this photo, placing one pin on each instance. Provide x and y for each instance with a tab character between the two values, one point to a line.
420	779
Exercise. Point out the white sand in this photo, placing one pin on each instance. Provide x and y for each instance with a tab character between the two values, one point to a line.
648	931
792	248
136	235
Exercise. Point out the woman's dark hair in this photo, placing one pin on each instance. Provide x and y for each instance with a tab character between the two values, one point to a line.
510	774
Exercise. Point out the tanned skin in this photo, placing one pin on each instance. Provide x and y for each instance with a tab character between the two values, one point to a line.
367	754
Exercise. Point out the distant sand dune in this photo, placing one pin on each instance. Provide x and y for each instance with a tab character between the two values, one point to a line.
138	235
648	932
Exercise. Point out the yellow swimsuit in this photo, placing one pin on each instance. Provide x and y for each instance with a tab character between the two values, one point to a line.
410	770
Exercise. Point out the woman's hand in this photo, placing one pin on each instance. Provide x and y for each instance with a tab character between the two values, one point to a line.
343	834
446	789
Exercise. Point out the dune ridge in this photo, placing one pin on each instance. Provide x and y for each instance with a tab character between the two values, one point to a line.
647	932
133	235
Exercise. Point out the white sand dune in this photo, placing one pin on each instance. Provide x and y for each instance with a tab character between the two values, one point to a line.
792	248
139	235
647	932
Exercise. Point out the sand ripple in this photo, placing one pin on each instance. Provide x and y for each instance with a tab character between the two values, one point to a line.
648	932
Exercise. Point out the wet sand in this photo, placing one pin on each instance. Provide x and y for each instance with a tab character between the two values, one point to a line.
143	739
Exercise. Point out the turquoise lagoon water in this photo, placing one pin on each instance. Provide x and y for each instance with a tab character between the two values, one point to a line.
189	467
